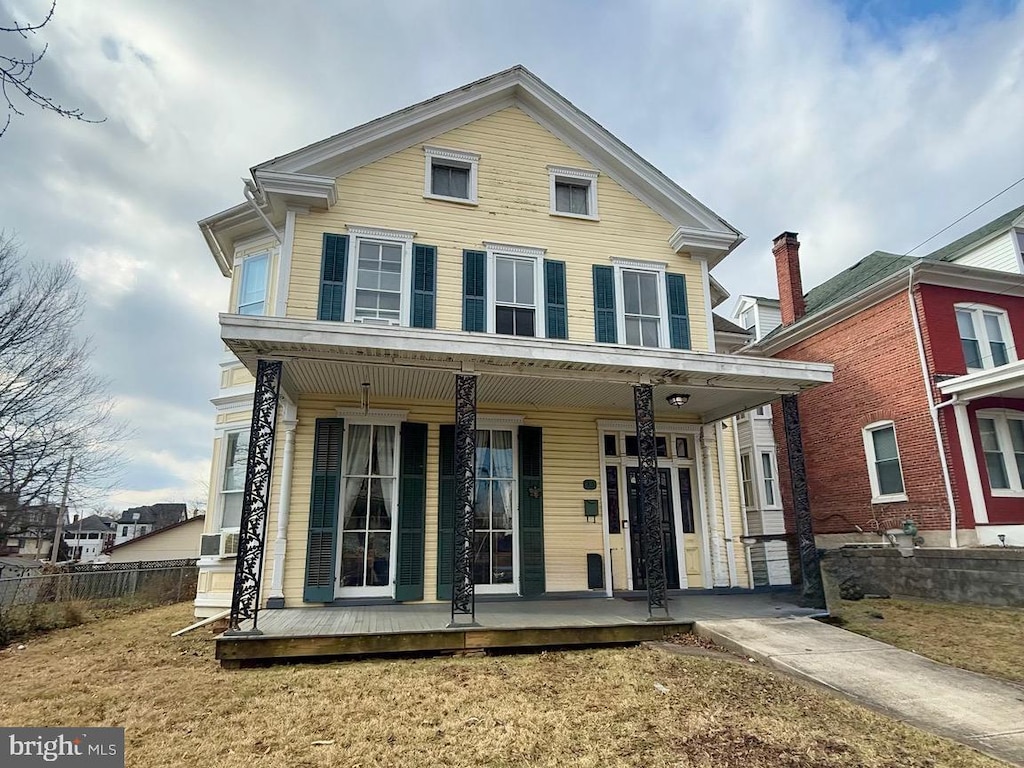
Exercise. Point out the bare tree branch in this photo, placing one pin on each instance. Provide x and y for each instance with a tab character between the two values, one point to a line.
16	71
52	405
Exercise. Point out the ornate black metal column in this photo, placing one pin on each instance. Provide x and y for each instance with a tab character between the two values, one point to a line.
245	598
463	590
810	570
649	496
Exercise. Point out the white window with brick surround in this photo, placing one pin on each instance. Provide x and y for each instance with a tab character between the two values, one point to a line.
884	467
1002	444
985	336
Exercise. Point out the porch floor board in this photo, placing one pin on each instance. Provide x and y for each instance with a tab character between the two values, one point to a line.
377	630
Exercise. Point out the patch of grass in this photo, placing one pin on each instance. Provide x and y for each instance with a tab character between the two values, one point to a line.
974	637
580	708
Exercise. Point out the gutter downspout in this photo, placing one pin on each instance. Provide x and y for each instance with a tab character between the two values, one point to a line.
933	410
743	506
730	549
252	201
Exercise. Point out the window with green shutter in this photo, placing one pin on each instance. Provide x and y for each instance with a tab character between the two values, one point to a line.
324	496
605	321
554	296
678	316
531	512
424	285
333	271
474	291
445	511
412	509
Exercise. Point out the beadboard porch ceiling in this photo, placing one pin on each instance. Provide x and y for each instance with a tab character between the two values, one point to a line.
419	365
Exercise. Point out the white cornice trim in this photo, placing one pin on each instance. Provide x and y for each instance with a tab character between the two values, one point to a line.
620	261
231	403
986	383
497	421
532	251
380	232
690	239
458	155
298	188
575	173
371	414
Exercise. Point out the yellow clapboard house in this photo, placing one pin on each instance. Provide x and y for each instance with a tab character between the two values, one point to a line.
474	301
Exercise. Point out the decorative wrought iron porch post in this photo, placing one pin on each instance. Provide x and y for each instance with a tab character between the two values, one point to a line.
649	496
463	588
245	598
810	570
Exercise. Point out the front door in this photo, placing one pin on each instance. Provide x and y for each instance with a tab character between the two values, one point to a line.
369	505
668	528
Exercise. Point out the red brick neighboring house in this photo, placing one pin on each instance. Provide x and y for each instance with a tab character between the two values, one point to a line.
926	411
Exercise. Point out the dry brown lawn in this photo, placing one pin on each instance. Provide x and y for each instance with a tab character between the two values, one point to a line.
582	708
975	637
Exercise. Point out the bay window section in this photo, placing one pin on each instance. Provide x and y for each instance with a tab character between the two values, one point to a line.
252	284
232	487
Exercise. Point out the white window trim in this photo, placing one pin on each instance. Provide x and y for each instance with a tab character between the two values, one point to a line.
1001	417
238	268
223	463
977	312
581	176
632	265
520	252
358	233
869	454
507	424
753	503
452	157
759	473
376	419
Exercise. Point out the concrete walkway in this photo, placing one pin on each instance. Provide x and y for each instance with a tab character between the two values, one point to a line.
975	710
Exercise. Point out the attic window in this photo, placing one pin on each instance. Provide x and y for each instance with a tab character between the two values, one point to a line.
573	192
450	174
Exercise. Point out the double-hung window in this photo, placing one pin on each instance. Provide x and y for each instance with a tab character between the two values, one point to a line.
236	454
379	276
747	484
985	336
252	284
1002	442
450	174
573	192
884	468
516	290
768	481
642	302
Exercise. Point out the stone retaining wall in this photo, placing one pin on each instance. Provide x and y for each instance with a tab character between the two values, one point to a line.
985	576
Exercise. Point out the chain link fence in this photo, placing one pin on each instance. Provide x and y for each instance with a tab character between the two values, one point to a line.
64	598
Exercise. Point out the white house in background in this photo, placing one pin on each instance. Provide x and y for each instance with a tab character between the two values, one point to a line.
996	245
87	537
759	466
139	521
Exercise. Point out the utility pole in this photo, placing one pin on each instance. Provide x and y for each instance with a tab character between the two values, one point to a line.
59	533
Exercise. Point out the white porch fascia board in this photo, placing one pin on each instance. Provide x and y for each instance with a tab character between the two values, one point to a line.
457	350
303	189
990	382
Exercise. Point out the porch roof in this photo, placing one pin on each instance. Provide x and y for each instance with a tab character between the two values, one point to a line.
417	364
1004	381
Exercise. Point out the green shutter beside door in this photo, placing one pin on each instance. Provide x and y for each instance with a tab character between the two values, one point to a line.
678	317
333	268
554	297
324	496
605	324
445	511
531	512
424	289
412	509
474	291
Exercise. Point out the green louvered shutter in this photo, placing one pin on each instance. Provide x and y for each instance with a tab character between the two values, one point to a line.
333	268
412	511
678	318
474	291
605	325
531	512
554	298
445	511
424	285
323	512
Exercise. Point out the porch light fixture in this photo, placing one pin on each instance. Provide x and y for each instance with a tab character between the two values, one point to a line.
679	399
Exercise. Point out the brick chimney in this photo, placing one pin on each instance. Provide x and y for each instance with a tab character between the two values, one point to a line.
787	269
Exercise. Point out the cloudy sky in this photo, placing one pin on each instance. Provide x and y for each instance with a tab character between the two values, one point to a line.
861	125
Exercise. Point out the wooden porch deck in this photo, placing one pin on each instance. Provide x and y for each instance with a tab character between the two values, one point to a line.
378	630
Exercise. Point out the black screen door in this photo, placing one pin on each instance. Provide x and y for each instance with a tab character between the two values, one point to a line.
668	529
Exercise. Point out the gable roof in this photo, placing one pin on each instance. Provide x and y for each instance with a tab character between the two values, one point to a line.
721	325
92	523
996	226
161	531
306	176
861	275
160	515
